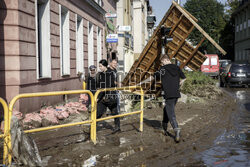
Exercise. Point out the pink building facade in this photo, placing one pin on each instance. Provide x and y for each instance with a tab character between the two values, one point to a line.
46	44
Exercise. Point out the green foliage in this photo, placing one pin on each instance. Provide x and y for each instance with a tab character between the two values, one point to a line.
198	84
210	15
232	6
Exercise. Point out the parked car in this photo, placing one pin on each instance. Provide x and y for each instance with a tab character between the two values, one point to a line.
223	64
211	65
235	74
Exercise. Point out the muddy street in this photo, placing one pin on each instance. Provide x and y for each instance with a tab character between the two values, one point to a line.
213	132
232	147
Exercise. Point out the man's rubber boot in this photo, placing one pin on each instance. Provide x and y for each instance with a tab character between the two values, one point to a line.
116	130
165	128
117	126
177	134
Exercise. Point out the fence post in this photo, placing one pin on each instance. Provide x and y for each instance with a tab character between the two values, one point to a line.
7	137
141	115
84	85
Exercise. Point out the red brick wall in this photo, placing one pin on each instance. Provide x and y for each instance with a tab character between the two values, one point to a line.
18	72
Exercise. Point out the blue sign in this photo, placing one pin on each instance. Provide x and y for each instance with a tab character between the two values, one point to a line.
112	40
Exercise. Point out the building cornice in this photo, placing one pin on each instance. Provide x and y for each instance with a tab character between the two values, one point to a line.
96	6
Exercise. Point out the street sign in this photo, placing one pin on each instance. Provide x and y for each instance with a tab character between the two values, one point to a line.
110	15
120	35
124	28
112	38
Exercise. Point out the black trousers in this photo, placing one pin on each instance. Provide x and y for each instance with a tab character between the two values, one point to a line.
169	112
102	108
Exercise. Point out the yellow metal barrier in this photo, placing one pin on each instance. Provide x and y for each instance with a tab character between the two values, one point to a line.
6	135
93	131
84	85
26	95
8	115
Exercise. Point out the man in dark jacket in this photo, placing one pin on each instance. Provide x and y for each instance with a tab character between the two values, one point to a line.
170	75
92	79
107	99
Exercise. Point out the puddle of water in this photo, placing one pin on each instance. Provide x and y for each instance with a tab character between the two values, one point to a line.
232	148
240	95
228	150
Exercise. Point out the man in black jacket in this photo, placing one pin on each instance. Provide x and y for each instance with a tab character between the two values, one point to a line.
170	75
107	99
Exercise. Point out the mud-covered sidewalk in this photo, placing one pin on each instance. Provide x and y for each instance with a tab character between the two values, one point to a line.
200	123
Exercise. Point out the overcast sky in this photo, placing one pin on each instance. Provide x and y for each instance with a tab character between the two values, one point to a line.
160	7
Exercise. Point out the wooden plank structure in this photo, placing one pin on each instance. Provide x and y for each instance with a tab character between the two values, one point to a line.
182	23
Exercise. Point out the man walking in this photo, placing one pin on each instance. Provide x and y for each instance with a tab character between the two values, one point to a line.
170	75
113	69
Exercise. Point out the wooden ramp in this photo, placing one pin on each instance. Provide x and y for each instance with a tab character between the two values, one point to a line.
182	24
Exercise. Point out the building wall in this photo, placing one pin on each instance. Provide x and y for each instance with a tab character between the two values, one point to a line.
125	48
120	21
9	49
18	56
110	7
242	33
140	26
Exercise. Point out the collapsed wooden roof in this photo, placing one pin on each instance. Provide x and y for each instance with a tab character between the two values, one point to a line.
182	23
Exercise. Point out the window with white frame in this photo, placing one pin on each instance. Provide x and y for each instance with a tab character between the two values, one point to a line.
43	47
64	41
90	44
79	45
99	44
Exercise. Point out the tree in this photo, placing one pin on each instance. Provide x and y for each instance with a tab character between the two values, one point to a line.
232	6
210	15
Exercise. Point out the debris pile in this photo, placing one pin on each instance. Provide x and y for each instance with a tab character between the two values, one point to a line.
24	148
200	85
50	115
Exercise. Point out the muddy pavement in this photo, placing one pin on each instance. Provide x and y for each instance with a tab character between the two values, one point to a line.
201	123
232	146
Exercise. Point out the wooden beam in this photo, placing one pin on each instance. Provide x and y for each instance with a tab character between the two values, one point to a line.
192	55
197	58
182	55
182	29
177	35
182	42
175	26
199	28
196	20
187	51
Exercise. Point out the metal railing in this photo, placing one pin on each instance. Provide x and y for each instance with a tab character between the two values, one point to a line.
7	157
6	135
8	115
